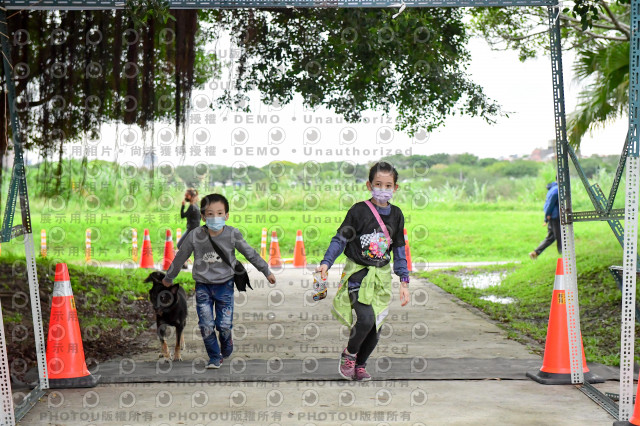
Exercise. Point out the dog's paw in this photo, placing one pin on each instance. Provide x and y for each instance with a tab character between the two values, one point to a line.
179	358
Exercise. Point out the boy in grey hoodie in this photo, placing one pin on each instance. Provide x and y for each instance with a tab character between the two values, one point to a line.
213	277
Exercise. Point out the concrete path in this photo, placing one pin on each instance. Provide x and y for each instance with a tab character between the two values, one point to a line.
282	322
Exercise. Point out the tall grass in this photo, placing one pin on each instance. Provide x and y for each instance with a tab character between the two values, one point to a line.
108	186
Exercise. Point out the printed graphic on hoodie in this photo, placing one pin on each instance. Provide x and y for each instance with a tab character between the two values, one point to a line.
374	246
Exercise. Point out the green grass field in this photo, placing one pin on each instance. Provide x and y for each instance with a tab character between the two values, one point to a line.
530	284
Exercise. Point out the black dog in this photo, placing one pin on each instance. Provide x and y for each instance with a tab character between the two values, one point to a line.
170	305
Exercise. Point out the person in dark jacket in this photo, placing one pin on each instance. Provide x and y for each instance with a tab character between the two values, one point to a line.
551	221
192	213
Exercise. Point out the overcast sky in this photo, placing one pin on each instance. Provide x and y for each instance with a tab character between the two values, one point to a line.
295	134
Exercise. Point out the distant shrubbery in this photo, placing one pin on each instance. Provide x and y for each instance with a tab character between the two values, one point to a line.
443	178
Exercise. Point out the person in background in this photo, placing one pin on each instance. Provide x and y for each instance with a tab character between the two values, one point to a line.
551	221
192	213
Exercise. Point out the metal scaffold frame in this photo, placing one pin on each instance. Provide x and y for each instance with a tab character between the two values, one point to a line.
603	207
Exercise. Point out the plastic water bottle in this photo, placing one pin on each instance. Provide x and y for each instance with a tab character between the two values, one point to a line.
319	286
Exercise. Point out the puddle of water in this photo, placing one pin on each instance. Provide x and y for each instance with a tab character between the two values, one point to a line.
487	280
490	279
495	299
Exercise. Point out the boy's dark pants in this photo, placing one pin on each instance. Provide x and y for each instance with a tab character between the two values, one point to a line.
553	234
364	336
215	299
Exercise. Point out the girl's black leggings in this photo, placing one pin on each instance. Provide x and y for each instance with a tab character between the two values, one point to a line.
364	336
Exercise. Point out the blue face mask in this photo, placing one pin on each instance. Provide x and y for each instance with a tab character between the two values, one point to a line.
215	223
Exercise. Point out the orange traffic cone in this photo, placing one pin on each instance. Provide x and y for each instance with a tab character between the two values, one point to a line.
66	365
147	255
299	256
169	254
556	365
407	251
635	417
274	251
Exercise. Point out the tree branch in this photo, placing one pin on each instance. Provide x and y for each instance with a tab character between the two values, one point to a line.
524	37
595	24
41	101
594	35
617	23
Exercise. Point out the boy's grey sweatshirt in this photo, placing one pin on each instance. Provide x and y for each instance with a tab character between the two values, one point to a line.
208	267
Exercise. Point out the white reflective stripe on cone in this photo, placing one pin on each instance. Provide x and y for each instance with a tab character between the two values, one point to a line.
558	283
62	288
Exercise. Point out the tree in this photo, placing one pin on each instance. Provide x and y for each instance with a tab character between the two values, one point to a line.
525	29
76	70
439	159
351	60
485	162
605	66
598	32
514	169
465	159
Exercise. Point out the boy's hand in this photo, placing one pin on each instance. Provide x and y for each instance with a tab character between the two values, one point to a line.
405	297
166	283
271	278
323	271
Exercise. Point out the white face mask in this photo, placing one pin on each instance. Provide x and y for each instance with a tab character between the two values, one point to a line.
215	223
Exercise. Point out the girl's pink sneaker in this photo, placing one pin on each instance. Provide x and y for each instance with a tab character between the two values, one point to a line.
347	365
361	374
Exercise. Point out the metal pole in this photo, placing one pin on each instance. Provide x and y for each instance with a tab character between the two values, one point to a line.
7	416
564	199
21	182
629	261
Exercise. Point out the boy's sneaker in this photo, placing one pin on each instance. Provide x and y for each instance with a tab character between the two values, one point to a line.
361	374
214	364
347	365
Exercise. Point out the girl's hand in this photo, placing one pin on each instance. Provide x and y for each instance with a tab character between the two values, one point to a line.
271	278
405	297
323	271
